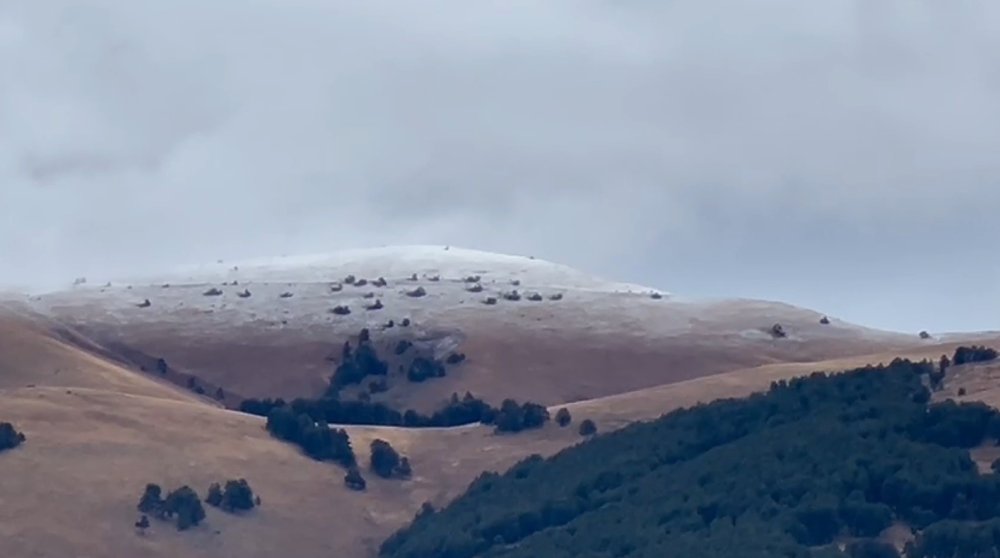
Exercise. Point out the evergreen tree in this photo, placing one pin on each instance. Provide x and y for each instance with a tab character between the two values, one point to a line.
214	496
186	506
238	496
384	459
588	428
563	417
151	501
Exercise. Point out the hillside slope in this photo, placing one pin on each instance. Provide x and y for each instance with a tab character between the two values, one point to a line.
97	432
267	329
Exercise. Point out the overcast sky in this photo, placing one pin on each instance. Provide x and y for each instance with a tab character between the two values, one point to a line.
840	155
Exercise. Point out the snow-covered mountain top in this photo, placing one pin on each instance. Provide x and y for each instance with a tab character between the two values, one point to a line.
393	263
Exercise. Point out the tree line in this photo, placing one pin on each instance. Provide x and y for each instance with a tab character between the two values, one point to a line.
814	461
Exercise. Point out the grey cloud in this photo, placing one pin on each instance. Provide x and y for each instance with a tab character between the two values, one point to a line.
839	155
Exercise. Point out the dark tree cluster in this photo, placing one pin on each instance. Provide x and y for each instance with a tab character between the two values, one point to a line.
966	355
261	407
514	417
387	463
182	505
10	438
235	496
422	369
316	438
357	364
813	462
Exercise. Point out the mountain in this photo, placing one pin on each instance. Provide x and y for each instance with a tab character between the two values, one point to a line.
567	337
81	379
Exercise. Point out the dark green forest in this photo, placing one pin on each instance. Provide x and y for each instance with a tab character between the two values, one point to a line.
815	467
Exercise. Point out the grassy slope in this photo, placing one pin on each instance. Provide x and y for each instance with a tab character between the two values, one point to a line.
97	433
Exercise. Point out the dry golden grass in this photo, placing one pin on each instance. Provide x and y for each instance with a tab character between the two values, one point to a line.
618	410
97	433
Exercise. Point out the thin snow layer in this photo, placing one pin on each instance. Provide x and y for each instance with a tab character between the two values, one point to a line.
439	289
396	263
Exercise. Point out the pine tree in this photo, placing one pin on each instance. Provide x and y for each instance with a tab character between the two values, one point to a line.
214	497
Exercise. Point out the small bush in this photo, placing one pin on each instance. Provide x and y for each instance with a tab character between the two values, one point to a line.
354	480
588	428
151	501
384	459
966	355
340	310
563	417
10	438
186	506
214	496
417	292
238	496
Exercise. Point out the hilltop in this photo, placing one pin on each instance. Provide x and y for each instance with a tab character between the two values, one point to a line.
530	329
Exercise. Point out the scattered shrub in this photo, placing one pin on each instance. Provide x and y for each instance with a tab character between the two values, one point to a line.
340	310
212	292
422	369
214	496
286	294
824	320
417	292
966	355
376	306
535	297
10	438
151	501
386	461
244	294
238	496
512	417
778	332
490	300
455	358
354	480
186	506
588	428
402	346
563	417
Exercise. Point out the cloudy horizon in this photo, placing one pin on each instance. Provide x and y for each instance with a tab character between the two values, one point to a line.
841	155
